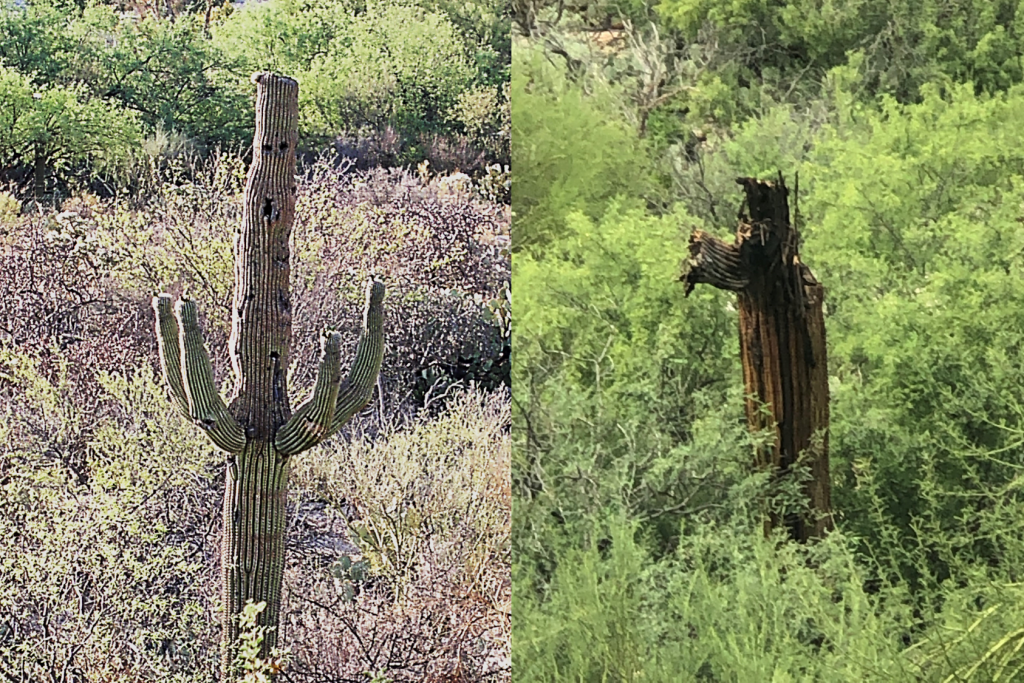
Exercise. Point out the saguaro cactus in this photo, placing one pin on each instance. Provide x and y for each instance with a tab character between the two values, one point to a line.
256	428
782	339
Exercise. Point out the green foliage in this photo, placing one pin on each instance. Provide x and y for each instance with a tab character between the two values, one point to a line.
905	45
729	605
168	73
10	208
485	114
178	76
285	36
93	570
35	40
248	662
628	411
636	528
635	537
912	217
488	24
559	169
400	65
58	129
392	64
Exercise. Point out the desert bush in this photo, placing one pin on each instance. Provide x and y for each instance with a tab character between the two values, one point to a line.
441	256
93	458
370	149
485	114
362	68
165	72
114	576
175	76
556	170
429	509
55	294
442	260
10	207
451	154
445	152
106	575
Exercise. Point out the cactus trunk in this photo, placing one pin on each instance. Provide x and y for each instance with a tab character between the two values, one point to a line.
257	429
252	552
262	313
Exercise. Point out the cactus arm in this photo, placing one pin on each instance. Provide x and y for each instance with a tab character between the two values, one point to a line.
357	390
170	352
714	262
206	408
312	421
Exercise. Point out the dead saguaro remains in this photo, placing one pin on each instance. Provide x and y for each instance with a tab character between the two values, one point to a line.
256	428
782	340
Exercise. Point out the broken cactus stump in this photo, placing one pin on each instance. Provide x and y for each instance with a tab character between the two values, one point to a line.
782	341
256	428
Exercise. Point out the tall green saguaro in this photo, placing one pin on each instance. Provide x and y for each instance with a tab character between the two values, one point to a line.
257	429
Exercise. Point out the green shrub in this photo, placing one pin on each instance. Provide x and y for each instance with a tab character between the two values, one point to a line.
56	130
103	557
558	170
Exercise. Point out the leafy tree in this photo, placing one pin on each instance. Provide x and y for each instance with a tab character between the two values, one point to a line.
912	218
403	65
569	151
486	24
166	71
394	64
285	35
618	369
35	39
905	45
57	129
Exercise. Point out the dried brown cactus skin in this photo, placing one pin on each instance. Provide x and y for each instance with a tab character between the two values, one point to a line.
257	428
782	341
